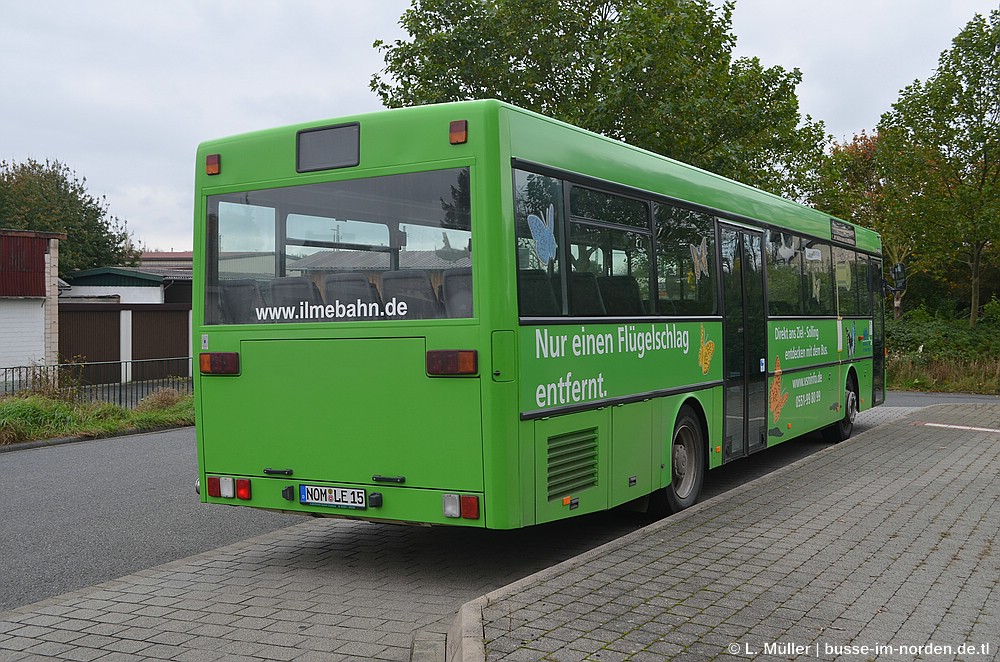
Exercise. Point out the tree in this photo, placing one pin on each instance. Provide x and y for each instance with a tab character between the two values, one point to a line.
877	183
950	125
49	197
657	74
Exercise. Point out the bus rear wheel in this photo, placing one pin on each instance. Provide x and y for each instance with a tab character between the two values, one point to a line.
842	429
687	467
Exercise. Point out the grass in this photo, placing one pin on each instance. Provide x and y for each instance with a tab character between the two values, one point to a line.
907	373
48	416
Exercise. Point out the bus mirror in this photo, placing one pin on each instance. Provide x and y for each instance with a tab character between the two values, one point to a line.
899	277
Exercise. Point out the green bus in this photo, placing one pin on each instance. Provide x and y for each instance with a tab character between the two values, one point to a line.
474	315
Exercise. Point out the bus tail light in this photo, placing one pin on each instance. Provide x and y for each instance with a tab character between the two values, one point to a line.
219	363
470	506
227	487
221	487
465	506
452	362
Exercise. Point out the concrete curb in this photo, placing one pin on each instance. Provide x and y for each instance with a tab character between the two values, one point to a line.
59	441
466	642
466	636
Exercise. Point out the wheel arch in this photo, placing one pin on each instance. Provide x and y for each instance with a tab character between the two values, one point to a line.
699	410
852	371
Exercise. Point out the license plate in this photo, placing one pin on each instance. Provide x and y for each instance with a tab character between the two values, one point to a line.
335	497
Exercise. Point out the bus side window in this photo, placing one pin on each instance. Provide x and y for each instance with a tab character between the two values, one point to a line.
817	279
784	273
686	261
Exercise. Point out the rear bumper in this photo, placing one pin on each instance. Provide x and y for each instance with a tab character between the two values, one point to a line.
397	503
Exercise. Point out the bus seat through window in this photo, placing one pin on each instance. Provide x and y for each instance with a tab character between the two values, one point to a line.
621	295
534	294
456	289
291	290
584	295
351	288
414	287
239	298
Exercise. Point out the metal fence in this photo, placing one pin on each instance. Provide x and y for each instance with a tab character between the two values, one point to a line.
124	383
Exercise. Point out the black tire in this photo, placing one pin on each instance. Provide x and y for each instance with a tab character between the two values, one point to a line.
687	467
842	429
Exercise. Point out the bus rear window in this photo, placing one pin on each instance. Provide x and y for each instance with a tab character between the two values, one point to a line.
384	248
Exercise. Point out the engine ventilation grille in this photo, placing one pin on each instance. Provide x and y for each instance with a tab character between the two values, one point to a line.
572	462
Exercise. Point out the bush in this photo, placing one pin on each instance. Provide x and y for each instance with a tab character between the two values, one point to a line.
163	398
925	338
934	352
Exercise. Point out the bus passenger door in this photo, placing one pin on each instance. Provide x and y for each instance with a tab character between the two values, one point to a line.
878	337
744	342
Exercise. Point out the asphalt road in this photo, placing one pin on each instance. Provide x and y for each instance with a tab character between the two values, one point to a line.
79	514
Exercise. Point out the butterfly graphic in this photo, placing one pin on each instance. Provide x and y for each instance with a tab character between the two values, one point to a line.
851	339
786	247
777	399
705	352
700	259
543	232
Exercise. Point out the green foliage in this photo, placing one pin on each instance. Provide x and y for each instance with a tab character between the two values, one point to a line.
657	74
49	197
37	417
925	337
946	134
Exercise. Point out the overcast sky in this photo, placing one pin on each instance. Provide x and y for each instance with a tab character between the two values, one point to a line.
122	91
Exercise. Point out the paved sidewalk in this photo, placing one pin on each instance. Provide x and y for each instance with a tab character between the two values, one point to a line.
881	548
320	590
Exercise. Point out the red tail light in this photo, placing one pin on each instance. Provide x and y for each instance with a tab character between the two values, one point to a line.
243	488
470	506
452	362
465	506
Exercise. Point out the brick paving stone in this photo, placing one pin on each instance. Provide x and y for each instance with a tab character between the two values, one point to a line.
884	539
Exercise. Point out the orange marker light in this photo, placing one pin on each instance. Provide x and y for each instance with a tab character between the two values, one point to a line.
213	164
458	132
